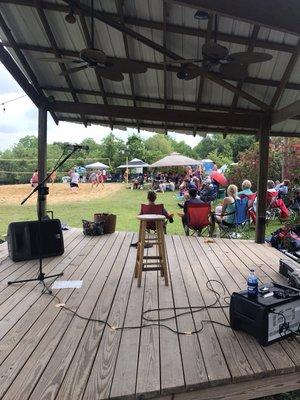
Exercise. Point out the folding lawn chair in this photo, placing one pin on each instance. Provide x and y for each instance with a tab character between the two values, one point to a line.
199	219
241	221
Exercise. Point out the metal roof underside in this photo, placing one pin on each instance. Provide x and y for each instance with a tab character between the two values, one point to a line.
183	35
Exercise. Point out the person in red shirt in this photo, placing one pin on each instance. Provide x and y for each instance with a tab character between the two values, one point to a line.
34	180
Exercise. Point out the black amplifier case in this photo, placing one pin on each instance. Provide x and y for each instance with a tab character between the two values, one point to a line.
262	317
24	239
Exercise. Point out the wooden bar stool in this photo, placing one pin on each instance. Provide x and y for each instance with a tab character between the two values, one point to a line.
159	261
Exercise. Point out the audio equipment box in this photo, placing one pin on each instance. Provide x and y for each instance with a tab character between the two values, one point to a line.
270	316
28	240
291	270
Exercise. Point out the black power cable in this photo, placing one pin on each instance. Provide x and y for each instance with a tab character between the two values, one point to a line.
157	322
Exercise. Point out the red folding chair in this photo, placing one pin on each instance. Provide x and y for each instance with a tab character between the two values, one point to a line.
198	218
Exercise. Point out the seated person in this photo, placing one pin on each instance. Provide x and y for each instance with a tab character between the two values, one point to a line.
151	197
226	214
283	188
296	201
193	199
246	188
273	201
207	194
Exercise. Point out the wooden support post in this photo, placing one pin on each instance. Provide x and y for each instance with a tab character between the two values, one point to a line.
42	158
264	139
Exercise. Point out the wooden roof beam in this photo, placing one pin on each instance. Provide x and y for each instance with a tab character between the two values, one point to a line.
275	14
288	112
202	78
9	63
245	120
53	43
286	76
250	49
155	46
89	45
148	64
185	30
165	11
119	4
14	70
187	129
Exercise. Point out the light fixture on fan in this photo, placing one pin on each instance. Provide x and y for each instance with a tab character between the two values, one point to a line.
91	57
70	17
216	58
201	15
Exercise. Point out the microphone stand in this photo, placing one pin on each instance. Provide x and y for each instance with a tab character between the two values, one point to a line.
42	192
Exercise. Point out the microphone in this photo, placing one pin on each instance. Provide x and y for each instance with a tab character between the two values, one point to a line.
76	147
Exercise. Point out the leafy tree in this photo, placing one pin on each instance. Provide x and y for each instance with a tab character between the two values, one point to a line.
248	165
219	158
157	146
214	143
135	147
240	143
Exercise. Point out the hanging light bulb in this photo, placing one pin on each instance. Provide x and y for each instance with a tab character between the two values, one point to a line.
70	18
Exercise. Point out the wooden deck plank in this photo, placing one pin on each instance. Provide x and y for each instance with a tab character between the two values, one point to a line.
148	372
172	375
25	295
23	366
215	362
292	348
51	354
16	333
255	353
101	374
192	358
280	359
124	380
236	360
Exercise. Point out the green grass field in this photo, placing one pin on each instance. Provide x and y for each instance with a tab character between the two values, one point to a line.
125	204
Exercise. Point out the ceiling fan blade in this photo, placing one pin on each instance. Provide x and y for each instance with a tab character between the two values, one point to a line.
182	61
62	60
234	71
249	57
111	74
128	66
72	70
214	51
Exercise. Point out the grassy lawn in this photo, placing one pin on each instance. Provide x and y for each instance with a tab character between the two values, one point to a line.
125	203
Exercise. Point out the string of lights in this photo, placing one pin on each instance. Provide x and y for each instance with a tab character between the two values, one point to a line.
3	103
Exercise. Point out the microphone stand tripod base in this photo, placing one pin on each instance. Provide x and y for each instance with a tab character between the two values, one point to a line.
41	278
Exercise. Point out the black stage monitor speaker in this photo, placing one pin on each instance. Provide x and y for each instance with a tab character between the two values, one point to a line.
24	239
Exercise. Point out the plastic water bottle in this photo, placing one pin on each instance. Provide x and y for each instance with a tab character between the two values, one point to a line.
252	284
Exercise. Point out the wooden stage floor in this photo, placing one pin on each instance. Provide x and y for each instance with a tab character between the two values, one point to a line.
49	353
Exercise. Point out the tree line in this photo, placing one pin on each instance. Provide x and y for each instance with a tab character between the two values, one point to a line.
18	163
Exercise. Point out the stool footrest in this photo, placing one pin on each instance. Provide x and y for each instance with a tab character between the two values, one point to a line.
153	269
152	257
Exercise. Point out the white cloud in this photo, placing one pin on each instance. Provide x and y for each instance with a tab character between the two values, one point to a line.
20	118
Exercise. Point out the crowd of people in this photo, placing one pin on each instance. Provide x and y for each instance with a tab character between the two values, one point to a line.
195	188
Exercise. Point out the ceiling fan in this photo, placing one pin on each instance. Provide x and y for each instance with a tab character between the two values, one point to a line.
216	58
94	58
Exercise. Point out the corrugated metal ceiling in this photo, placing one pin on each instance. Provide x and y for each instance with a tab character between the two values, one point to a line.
27	28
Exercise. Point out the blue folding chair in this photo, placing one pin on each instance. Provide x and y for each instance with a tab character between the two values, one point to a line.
241	221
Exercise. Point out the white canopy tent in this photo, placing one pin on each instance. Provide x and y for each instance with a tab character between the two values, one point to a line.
175	160
134	163
97	165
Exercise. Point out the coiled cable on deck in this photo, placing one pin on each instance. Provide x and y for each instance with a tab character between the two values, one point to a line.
156	322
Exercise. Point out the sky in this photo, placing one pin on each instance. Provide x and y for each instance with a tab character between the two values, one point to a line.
20	118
